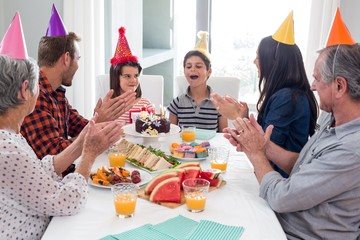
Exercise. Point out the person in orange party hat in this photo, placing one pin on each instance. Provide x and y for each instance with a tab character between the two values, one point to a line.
286	100
32	191
320	198
338	35
194	106
124	74
55	124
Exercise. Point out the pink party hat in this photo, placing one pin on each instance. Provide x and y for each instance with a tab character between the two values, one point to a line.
122	52
56	26
13	42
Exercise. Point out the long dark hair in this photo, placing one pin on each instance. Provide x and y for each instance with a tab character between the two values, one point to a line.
116	71
282	66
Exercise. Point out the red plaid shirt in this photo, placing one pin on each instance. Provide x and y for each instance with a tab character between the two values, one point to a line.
49	127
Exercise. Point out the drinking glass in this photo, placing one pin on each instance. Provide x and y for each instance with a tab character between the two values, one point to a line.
195	190
117	156
218	157
125	196
188	133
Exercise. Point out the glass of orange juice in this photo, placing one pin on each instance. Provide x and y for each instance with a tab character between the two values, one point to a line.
218	157
117	156
195	190
188	133
125	196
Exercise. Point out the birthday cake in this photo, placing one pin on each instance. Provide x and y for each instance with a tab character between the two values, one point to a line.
151	123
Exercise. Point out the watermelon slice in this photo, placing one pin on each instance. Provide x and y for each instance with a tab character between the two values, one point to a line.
210	174
167	191
215	182
191	172
159	178
188	164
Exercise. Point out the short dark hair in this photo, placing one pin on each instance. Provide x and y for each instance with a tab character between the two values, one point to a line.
116	71
200	55
51	48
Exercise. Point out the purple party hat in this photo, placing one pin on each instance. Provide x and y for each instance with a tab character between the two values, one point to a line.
56	26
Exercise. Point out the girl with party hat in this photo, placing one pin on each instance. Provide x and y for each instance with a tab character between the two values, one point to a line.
125	70
286	100
195	107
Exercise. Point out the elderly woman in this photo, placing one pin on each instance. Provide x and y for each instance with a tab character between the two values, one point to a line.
31	190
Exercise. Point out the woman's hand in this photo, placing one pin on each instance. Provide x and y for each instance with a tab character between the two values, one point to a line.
100	137
229	107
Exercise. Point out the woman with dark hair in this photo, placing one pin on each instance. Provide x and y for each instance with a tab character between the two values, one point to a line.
195	107
124	76
286	101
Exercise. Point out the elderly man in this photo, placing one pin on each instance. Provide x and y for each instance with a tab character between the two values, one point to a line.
320	199
54	124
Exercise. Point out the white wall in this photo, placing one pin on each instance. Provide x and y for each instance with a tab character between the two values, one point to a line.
350	14
34	15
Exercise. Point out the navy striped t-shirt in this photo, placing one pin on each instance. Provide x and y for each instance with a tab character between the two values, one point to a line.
204	115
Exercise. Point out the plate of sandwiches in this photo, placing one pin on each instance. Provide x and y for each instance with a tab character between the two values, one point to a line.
147	158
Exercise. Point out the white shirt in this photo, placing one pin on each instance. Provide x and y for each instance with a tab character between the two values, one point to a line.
31	191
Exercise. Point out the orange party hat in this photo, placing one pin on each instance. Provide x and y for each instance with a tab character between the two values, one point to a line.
202	43
13	43
122	53
285	33
339	34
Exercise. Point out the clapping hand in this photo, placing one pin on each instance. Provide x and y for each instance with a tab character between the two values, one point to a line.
248	136
229	107
110	109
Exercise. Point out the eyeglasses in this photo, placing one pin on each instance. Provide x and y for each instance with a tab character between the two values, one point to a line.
128	76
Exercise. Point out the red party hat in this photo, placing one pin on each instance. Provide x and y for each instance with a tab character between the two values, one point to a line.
122	53
13	43
339	34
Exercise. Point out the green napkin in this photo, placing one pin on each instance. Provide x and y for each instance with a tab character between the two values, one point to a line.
215	231
144	232
181	228
177	227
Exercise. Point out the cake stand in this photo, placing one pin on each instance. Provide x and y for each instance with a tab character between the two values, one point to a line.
147	140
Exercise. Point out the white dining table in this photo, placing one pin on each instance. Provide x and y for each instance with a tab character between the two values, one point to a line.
236	203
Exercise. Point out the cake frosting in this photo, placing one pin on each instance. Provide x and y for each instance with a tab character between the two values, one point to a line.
151	124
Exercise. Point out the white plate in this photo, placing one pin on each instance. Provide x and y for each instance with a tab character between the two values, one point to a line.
189	159
145	178
130	130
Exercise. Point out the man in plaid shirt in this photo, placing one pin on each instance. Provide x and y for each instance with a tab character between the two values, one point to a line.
54	124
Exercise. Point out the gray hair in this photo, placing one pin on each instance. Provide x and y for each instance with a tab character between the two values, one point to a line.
343	61
13	72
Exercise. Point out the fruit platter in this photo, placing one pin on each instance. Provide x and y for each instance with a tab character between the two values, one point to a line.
149	159
105	177
186	152
166	188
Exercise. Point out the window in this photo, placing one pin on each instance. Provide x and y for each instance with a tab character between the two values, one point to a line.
236	28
